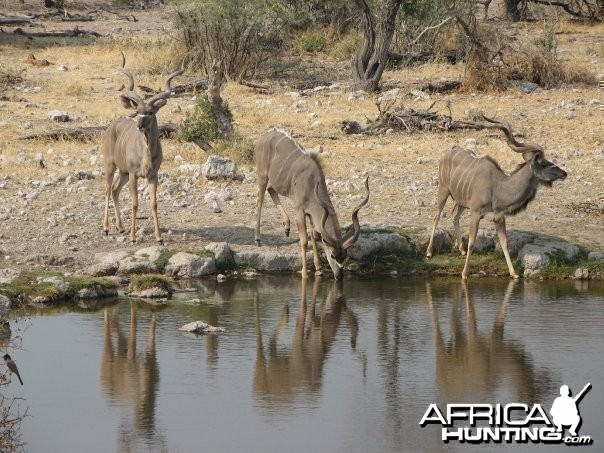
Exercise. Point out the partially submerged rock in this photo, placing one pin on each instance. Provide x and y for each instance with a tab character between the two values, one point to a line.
200	327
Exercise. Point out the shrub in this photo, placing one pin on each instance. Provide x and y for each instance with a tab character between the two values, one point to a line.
239	33
202	121
311	41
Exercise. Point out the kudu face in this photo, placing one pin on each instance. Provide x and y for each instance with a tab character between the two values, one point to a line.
336	248
131	146
335	257
545	171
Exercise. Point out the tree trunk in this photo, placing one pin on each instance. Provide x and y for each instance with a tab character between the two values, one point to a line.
512	10
368	66
220	110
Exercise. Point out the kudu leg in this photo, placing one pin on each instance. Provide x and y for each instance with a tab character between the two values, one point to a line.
301	222
109	173
458	212
474	221
259	201
118	183
133	185
503	241
284	217
442	200
315	250
153	207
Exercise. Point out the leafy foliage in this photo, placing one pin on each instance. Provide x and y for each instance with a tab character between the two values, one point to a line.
202	121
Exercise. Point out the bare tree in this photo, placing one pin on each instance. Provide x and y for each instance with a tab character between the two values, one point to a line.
368	66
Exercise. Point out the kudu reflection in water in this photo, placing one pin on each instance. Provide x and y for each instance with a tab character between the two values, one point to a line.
471	366
282	374
130	377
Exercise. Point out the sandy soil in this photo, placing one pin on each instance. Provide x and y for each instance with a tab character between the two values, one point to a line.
51	217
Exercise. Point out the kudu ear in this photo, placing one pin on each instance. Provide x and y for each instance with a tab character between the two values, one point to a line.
127	102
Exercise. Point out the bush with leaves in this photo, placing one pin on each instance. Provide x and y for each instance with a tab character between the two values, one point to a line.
202	121
239	33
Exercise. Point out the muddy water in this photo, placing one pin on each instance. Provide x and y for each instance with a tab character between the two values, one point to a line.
306	368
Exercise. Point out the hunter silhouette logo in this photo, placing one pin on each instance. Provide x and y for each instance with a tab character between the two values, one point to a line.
565	411
512	422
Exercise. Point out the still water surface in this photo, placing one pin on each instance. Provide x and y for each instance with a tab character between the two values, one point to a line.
306	368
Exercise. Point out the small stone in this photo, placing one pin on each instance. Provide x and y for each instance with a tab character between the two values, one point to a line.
58	116
200	327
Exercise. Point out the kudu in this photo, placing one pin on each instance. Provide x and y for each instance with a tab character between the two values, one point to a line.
131	145
480	185
284	168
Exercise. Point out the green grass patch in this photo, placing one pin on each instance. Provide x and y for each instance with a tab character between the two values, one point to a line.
29	285
203	253
163	259
148	281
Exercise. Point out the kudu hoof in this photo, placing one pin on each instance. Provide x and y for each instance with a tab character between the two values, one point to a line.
106	232
257	242
287	232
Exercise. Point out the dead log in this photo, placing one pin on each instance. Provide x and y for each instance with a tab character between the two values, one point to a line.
166	130
129	17
192	87
413	58
17	20
444	86
262	89
76	32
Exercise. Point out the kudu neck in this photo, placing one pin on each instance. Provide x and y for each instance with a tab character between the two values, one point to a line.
516	190
332	224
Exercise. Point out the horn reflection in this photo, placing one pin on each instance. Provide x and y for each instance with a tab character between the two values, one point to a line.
284	373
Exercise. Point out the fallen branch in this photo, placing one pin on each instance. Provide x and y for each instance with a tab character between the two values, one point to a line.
421	57
443	86
408	120
129	17
17	20
263	89
166	130
57	34
199	85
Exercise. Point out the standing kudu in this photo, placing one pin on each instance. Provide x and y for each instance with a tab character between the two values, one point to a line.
480	185
131	145
284	168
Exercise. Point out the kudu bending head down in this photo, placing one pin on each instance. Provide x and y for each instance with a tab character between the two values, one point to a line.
284	168
480	185
131	145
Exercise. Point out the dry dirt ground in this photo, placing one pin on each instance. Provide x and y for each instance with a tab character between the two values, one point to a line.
51	216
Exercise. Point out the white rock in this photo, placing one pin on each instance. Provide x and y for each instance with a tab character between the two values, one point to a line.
59	116
200	327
